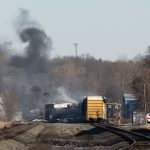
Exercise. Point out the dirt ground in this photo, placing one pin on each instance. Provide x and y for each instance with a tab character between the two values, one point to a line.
129	127
19	138
38	136
57	136
143	129
71	137
4	124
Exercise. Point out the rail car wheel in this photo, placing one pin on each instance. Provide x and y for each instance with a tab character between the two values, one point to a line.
91	120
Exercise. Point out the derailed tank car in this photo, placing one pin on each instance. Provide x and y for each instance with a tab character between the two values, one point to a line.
94	108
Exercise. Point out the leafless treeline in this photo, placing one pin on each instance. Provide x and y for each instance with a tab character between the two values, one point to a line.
85	75
99	77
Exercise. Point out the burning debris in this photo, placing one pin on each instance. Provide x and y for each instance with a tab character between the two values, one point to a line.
63	112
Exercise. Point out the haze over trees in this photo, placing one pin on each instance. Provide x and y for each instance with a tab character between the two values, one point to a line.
79	76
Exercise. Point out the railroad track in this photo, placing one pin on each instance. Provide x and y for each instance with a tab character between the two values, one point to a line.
15	130
135	140
30	136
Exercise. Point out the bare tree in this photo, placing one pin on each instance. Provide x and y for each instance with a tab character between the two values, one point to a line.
9	104
141	83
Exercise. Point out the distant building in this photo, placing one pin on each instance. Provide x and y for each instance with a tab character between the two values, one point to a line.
130	104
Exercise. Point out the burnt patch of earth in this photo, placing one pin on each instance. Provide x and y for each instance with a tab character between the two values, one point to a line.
76	135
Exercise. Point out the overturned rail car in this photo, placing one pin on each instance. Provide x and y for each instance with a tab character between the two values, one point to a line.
94	108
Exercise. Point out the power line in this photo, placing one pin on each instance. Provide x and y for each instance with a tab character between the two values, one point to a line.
27	76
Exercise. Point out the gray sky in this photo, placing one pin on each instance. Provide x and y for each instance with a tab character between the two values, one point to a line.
105	29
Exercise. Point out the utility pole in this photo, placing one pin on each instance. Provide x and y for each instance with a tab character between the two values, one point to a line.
76	48
144	97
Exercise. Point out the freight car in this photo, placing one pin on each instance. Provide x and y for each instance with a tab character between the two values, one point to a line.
94	108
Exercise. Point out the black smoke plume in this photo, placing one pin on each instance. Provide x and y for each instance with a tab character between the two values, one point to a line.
30	76
31	69
38	49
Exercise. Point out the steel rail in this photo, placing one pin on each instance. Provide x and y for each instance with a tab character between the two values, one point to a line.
128	138
145	137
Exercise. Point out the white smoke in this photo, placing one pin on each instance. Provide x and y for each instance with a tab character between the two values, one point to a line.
2	112
18	116
63	96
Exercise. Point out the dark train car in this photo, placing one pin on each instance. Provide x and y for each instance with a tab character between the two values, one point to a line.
49	112
63	112
113	113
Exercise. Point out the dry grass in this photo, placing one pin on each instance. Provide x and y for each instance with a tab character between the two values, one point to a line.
6	124
146	126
